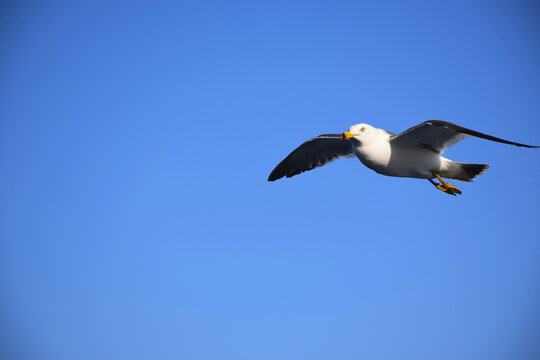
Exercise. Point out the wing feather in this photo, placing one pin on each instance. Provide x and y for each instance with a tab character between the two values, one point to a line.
313	153
439	135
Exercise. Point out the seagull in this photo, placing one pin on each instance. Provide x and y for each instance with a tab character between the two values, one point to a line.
415	153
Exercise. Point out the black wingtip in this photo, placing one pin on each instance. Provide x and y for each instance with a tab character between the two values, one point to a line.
523	145
274	176
477	134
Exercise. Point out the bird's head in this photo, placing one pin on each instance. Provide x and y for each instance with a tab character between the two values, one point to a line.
360	132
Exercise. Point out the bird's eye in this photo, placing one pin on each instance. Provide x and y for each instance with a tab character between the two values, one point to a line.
363	129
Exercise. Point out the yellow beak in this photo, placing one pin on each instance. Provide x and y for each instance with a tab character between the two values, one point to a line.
348	135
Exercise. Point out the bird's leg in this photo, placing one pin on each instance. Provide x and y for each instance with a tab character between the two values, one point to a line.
442	188
446	185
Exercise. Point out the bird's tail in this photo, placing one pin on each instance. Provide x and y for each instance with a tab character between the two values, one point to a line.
464	171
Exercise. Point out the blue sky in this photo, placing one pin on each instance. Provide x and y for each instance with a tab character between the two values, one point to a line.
136	221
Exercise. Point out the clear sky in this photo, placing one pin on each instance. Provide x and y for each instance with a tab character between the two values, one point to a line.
136	220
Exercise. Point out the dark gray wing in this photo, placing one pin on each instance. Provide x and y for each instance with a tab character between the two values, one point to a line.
313	153
439	135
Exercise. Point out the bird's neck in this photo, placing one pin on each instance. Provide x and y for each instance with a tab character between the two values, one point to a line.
376	152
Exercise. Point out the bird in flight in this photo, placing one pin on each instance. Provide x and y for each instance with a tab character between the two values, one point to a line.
415	153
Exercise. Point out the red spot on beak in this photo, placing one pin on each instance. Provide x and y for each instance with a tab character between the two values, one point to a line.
342	136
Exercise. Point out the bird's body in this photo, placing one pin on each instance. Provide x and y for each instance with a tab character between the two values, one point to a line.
415	153
385	157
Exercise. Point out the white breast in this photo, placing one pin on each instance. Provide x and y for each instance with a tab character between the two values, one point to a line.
376	154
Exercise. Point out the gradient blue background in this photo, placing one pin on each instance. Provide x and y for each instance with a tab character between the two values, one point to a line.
137	222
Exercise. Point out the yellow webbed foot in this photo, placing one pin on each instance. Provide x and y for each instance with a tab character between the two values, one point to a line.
444	186
446	190
453	188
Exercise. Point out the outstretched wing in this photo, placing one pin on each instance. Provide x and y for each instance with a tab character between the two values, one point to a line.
439	135
313	153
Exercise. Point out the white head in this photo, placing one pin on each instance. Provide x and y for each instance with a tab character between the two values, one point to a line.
364	133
